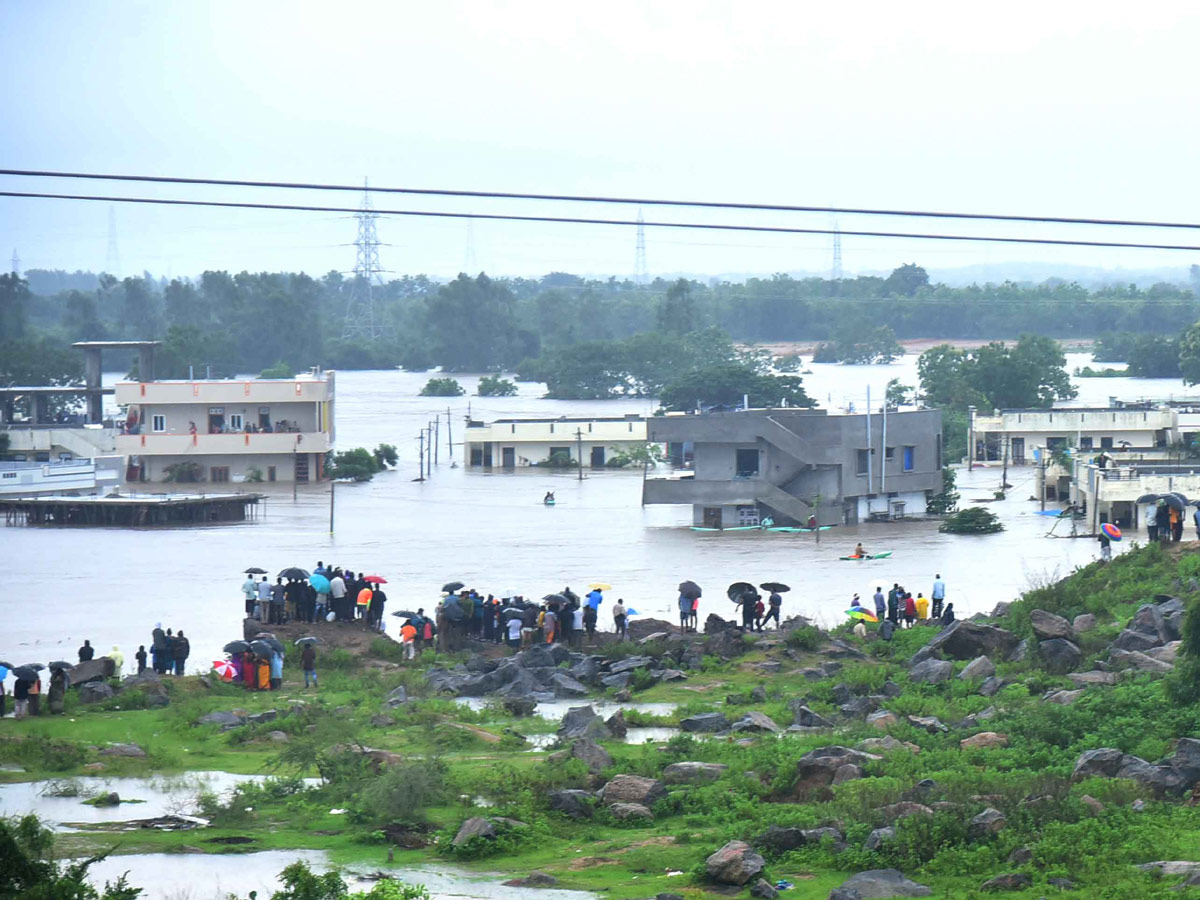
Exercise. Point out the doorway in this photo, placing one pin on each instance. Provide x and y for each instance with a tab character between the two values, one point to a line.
712	517
508	457
1018	451
216	419
597	457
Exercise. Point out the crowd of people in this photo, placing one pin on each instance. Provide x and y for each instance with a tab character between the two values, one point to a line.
899	609
329	594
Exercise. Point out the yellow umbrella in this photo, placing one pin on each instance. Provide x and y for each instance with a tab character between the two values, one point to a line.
599	586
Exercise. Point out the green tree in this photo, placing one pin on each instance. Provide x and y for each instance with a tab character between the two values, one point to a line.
1154	356
728	383
472	326
189	352
907	280
29	870
82	319
442	387
385	456
352	465
14	303
677	314
897	394
495	386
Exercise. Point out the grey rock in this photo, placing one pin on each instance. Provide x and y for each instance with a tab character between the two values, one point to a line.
97	669
756	721
626	811
1063	698
879	837
980	667
894	812
535	657
967	640
931	724
705	723
777	840
859	707
818	768
1020	652
848	772
890	689
629	664
735	863
520	707
574	803
990	686
1047	626
397	697
758	695
1149	620
618	681
566	686
278	737
1083	622
221	717
633	789
1059	655
1020	856
1009	881
616	724
1095	676
1063	884
923	791
1136	640
883	719
932	671
693	772
1135	659
582	721
806	718
763	889
94	692
130	751
1167	653
990	821
476	826
883	883
1000	610
595	757
886	745
269	715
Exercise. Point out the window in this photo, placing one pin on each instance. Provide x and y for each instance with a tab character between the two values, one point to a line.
1106	443
270	473
235	421
565	451
10	474
748	515
158	423
1056	443
862	461
910	455
218	473
889	453
1085	443
747	462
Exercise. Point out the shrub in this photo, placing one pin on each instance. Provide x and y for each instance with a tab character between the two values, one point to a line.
184	472
442	387
254	474
807	637
975	520
559	460
352	465
279	370
385	456
403	793
495	386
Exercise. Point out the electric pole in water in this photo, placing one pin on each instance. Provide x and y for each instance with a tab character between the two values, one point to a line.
579	450
449	437
421	456
429	455
437	440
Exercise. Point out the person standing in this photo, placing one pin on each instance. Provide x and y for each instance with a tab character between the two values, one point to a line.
308	662
694	617
167	658
910	610
250	592
619	618
276	676
87	652
893	606
749	600
337	594
594	598
685	613
35	695
363	603
576	627
948	615
922	607
938	595
158	647
58	692
263	612
21	698
589	622
1176	524
183	648
774	604
140	656
278	598
550	624
880	603
515	625
1105	547
118	659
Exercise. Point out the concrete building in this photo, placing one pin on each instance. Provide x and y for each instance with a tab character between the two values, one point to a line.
514	443
1018	431
1110	494
276	429
746	464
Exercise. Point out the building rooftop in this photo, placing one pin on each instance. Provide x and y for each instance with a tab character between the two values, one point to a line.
628	417
114	345
53	389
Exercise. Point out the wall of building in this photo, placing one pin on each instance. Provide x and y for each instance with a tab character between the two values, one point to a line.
154	467
179	417
527	453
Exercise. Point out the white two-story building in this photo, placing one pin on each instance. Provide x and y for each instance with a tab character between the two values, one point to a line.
516	443
222	431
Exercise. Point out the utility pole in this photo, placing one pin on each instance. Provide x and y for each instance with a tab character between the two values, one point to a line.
332	492
421	456
1004	471
437	440
449	438
579	450
429	455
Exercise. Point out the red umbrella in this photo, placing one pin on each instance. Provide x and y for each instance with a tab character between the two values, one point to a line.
376	579
225	670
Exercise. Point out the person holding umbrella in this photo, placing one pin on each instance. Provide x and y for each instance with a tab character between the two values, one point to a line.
24	677
58	690
685	612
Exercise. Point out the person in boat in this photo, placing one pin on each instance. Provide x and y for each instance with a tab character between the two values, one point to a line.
549	498
859	552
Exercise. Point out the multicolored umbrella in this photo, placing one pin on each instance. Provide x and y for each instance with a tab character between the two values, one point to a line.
1111	531
224	669
859	612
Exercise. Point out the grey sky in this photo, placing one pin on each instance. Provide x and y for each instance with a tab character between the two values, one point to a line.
1065	108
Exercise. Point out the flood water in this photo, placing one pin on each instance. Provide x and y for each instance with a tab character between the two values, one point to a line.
492	532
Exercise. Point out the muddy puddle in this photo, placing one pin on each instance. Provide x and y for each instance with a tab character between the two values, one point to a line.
201	877
60	803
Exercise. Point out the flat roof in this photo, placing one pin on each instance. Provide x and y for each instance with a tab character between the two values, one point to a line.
114	345
54	389
631	417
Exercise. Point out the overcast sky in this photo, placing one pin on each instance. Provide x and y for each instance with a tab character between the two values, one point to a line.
1064	108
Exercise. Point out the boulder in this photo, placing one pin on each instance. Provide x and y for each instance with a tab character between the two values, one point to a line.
886	744
1171	868
1059	655
1136	640
566	686
894	812
629	664
859	707
221	717
586	670
932	671
990	821
1093	805
923	791
594	756
1135	659
626	811
97	669
130	751
777	840
1009	881
397	697
476	826
574	803
883	719
990	686
967	640
278	737
980	667
1083	622
984	740
806	718
881	883
1020	856
726	644
1047	626
536	657
1167	653
1019	653
848	772
757	722
616	724
819	767
1149	620
890	689
1000	610
520	707
94	691
932	724
1063	698
704	722
632	789
692	772
1082	679
763	890
619	681
735	863
582	721
714	624
879	837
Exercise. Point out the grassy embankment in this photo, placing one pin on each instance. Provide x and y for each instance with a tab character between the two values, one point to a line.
446	766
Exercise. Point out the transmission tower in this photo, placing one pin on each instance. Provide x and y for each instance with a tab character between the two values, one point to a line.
641	275
112	260
361	323
836	273
16	263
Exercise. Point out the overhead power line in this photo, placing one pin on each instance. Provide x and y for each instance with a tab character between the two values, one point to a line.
579	220
579	198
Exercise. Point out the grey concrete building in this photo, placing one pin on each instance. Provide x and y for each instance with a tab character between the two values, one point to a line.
742	465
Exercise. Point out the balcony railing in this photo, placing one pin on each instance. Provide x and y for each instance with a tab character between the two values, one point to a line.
151	444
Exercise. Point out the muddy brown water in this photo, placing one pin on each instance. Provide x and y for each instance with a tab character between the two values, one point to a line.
492	531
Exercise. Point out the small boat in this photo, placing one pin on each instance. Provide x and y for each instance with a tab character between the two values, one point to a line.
883	555
731	528
547	502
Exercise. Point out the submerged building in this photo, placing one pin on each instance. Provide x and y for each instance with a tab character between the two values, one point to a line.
516	443
793	464
217	431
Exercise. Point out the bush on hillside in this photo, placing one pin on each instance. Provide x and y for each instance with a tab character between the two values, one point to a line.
975	520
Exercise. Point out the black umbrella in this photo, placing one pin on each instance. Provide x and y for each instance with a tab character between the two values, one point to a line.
37	667
275	644
735	590
236	647
555	598
261	648
1147	498
307	640
1182	497
255	570
25	673
690	590
294	572
1173	501
264	635
404	614
512	613
775	587
61	664
451	586
6	664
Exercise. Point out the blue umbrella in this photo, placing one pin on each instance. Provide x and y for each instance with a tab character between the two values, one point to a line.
630	611
320	583
3	673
